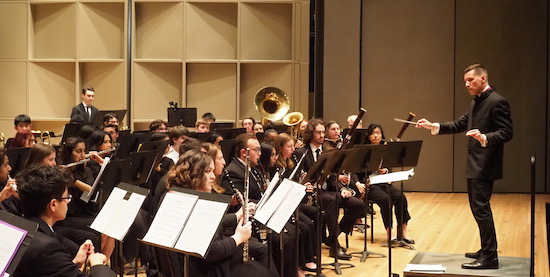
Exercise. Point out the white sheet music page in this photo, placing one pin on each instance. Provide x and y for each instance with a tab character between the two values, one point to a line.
170	218
86	195
118	214
10	240
391	177
265	213
287	207
201	227
268	192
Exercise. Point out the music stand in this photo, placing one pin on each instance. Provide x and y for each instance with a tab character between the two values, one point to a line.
358	136
400	154
160	146
182	116
27	225
17	157
112	176
228	149
129	143
98	119
141	166
365	158
71	129
221	125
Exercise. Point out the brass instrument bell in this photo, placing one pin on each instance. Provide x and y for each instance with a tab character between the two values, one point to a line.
272	103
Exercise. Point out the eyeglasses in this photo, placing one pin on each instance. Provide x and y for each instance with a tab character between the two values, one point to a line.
68	197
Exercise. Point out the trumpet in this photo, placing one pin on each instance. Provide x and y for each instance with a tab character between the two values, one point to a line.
45	136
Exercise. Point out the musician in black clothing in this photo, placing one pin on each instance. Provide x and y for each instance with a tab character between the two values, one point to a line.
314	136
85	109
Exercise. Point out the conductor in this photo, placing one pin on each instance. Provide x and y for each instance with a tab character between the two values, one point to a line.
488	124
85	109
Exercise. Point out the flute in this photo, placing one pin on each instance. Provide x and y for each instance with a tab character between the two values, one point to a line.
102	152
76	163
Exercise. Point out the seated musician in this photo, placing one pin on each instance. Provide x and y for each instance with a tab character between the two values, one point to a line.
45	198
158	125
333	135
21	123
23	139
99	141
202	126
379	194
110	119
112	130
314	136
178	135
258	128
257	186
195	170
248	123
6	182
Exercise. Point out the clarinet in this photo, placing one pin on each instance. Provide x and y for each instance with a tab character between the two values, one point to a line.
245	200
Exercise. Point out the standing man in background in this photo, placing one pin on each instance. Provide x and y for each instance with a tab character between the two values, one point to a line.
85	109
488	124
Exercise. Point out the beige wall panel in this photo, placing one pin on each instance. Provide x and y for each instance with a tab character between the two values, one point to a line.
256	76
13	88
6	127
159	30
51	90
408	66
13	30
213	88
341	69
101	31
156	84
266	31
301	31
53	31
509	43
211	31
109	83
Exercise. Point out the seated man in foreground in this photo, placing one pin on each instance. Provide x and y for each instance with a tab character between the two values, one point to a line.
44	195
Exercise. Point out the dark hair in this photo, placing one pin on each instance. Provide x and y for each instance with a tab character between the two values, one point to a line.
156	124
241	141
189	170
213	137
108	117
110	126
189	144
85	132
37	186
84	90
266	155
477	68
21	138
159	136
96	139
310	129
77	119
178	131
66	156
22	118
251	118
37	154
209	116
371	128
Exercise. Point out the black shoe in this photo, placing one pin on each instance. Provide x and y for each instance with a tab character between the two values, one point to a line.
482	263
408	241
342	255
473	255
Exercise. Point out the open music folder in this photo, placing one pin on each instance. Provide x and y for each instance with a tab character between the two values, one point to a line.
17	234
187	221
277	206
119	211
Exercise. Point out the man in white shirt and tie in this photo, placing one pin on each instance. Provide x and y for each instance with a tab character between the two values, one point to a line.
85	109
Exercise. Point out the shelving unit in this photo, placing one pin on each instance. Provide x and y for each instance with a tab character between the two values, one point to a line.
210	54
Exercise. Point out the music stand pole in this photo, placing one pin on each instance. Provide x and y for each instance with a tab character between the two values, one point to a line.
532	262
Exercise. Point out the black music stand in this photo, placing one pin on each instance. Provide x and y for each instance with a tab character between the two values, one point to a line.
128	143
365	158
112	176
142	164
400	154
71	129
228	149
27	225
231	133
98	119
182	116
17	157
221	125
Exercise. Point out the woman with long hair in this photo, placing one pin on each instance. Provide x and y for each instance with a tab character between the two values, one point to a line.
379	195
23	139
195	170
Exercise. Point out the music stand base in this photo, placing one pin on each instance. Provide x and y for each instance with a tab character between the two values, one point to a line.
364	254
400	243
339	266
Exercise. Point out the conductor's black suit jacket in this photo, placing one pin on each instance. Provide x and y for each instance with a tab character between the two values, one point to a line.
46	256
79	109
490	114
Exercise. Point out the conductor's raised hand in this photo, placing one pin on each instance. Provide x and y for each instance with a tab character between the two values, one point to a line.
424	123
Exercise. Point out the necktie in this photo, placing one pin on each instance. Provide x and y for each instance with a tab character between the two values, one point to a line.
88	110
317	152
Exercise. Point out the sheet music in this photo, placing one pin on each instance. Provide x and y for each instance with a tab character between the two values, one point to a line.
170	218
268	192
201	227
10	240
263	214
391	177
86	195
118	214
287	207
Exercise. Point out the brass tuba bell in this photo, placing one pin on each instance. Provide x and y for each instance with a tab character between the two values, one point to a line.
272	103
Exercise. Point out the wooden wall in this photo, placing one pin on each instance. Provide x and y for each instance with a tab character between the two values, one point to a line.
413	54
